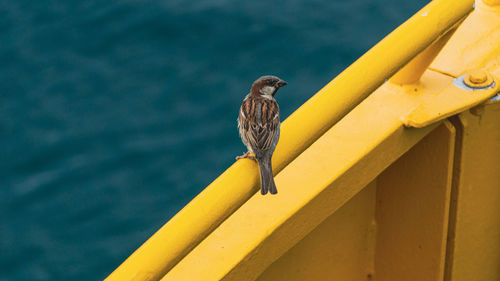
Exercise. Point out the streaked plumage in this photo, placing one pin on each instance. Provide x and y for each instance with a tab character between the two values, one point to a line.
259	126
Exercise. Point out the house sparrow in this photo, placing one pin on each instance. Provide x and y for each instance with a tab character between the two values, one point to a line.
259	127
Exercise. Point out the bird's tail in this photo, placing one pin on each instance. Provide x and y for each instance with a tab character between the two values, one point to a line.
266	176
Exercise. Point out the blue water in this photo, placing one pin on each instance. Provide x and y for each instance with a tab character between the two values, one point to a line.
115	114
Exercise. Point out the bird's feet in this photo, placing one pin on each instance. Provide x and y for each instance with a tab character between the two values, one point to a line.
247	155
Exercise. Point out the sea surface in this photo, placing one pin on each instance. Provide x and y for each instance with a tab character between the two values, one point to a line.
115	114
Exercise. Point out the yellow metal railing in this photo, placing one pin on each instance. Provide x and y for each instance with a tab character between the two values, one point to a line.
332	176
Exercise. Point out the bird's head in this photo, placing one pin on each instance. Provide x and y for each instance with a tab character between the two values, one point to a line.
267	86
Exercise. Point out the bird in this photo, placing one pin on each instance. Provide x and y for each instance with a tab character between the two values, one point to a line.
259	127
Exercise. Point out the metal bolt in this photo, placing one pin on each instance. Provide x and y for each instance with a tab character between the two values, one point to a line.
478	79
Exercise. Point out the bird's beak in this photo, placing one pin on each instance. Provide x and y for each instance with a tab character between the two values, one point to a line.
281	83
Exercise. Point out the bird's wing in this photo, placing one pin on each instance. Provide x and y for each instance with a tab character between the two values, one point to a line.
259	121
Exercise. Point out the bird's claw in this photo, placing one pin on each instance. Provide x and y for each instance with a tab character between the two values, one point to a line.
247	155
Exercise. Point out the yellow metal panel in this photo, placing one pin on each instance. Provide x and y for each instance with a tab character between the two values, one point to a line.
340	248
221	198
318	182
447	102
492	2
474	238
413	197
475	44
412	215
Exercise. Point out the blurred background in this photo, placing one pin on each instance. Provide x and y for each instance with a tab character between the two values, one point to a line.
115	114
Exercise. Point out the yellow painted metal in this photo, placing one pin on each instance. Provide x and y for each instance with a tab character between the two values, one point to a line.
474	45
474	238
318	182
412	71
447	102
413	197
492	2
228	192
346	251
403	214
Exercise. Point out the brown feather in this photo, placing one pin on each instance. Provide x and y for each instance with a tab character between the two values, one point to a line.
259	129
